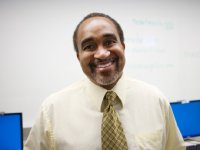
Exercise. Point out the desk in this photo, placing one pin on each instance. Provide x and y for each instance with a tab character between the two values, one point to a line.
192	145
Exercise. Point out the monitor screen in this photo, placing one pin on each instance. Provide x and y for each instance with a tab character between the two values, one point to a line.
11	131
187	115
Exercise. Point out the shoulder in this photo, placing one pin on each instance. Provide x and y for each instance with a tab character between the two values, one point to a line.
139	85
145	92
65	94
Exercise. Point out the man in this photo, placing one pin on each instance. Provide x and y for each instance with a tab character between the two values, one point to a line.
73	119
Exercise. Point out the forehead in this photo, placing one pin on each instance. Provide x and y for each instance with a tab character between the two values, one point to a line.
96	25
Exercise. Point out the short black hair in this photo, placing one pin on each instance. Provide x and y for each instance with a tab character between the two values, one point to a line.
96	14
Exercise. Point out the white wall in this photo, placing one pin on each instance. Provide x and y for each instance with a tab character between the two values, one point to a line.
37	57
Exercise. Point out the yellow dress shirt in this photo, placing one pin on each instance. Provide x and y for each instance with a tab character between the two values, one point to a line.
71	119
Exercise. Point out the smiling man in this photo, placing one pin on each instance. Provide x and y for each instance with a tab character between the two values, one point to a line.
100	51
107	110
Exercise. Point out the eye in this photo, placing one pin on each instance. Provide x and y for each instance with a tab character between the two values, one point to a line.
109	42
89	47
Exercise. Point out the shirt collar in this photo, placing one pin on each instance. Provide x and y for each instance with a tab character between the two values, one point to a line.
120	89
96	93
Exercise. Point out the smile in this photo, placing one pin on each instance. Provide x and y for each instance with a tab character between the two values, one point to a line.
104	63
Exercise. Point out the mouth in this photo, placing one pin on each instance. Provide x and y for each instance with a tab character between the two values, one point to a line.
103	64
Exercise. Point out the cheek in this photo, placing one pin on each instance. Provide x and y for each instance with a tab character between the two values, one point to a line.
121	54
122	58
84	60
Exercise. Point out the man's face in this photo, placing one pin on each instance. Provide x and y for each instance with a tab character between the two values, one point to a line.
100	51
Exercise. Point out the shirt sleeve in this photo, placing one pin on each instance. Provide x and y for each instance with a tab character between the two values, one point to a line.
41	135
174	137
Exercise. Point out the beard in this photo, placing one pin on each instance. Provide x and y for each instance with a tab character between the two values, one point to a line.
106	78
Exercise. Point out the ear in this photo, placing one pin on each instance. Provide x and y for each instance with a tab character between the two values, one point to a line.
77	55
123	44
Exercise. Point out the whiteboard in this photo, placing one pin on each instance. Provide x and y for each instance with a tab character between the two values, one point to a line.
37	57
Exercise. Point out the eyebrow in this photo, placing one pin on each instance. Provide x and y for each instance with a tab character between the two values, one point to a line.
110	35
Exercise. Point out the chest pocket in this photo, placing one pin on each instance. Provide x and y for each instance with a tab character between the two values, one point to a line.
149	141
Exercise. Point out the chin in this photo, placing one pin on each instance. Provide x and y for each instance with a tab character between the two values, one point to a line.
108	80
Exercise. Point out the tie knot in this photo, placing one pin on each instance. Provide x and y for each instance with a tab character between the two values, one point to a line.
111	96
111	99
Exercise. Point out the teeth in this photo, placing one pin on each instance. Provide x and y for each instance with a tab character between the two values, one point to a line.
104	63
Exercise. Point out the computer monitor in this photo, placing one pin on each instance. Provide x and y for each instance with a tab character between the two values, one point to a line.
187	115
11	131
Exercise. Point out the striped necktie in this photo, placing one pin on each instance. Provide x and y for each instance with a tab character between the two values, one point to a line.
112	134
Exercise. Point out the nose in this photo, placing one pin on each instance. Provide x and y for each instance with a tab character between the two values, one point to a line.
101	53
